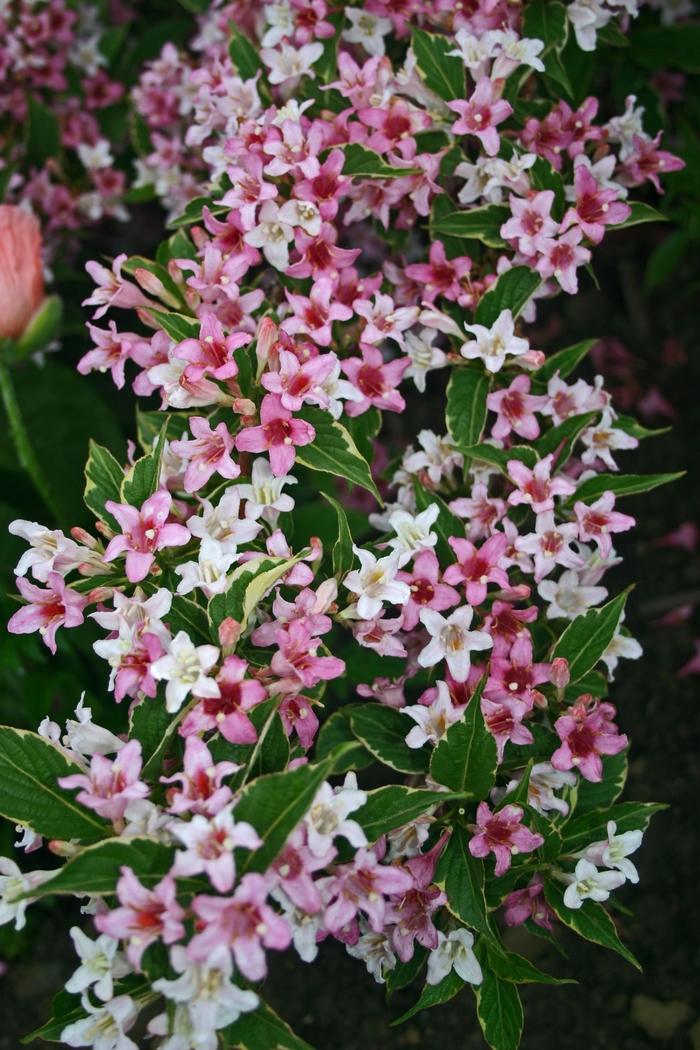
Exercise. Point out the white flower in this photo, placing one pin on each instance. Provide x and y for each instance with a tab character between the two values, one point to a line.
84	737
304	927
622	647
184	667
492	345
433	719
603	439
45	547
222	524
206	990
614	851
328	394
454	952
452	641
375	951
272	235
301	213
625	128
475	51
366	29
544	781
328	816
424	356
105	1026
286	61
86	55
413	531
602	171
137	612
209	572
438	456
14	884
514	52
100	964
589	883
568	597
264	497
587	17
281	22
375	583
95	157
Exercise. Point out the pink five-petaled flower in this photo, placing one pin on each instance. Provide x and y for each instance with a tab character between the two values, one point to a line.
516	675
293	868
427	592
537	487
480	114
595	207
50	607
477	567
209	844
515	407
528	903
411	912
278	434
111	784
440	276
201	789
296	382
562	257
597	521
244	923
209	453
586	732
112	289
212	352
647	161
145	531
228	713
531	222
112	350
503	834
314	315
144	916
362	886
296	660
298	715
376	380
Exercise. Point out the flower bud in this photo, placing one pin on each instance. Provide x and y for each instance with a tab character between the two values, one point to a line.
267	337
21	278
229	632
559	672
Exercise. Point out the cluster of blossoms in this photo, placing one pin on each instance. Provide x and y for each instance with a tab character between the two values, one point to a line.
54	88
294	306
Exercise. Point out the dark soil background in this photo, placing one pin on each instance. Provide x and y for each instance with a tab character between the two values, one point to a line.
335	1004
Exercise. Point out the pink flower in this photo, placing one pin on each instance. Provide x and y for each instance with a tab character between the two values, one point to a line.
478	567
21	276
50	607
384	320
209	843
516	407
426	589
213	352
144	916
528	903
209	453
599	520
297	714
314	315
531	222
362	886
296	658
562	257
201	789
586	732
111	784
550	545
536	487
648	162
278	433
376	381
480	115
297	381
145	531
293	868
595	207
440	276
228	712
112	289
503	834
327	187
113	349
248	188
320	256
244	923
517	676
411	913
504	720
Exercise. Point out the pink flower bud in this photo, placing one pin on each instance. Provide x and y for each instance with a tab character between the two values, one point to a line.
99	594
229	632
21	279
559	672
267	337
80	535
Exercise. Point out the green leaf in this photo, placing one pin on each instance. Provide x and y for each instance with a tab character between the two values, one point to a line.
404	973
499	1011
563	437
393	806
150	424
143	478
262	1029
248	585
29	792
343	556
590	795
511	967
499	457
640	213
479	224
545	20
631	426
333	451
192	213
187	615
95	869
465	414
103	480
434	995
466	758
585	828
462	876
563	361
274	805
269	755
591	921
588	636
335	736
177	326
383	731
43	133
362	163
621	485
544	177
510	292
243	53
655	47
441	72
153	726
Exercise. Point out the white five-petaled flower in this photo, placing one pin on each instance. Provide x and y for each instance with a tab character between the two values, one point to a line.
413	531
14	884
454	952
568	597
105	1027
264	497
328	816
452	641
492	345
589	883
100	963
433	720
375	583
614	851
209	572
424	356
287	62
272	235
366	29
185	667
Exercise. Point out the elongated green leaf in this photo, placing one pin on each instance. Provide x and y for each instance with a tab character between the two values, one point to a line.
465	414
510	292
479	224
193	213
343	556
29	792
434	995
640	213
545	20
466	758
143	479
248	585
177	326
43	133
244	55
262	1029
335	738
393	806
442	73
588	636
103	479
590	921
363	163
95	869
563	437
333	451
621	485
462	876
383	731
498	457
511	967
187	615
152	726
585	828
590	795
563	361
499	1011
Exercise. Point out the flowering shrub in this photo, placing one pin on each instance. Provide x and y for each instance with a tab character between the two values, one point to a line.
384	194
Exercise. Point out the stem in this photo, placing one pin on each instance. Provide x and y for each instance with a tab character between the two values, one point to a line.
20	439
